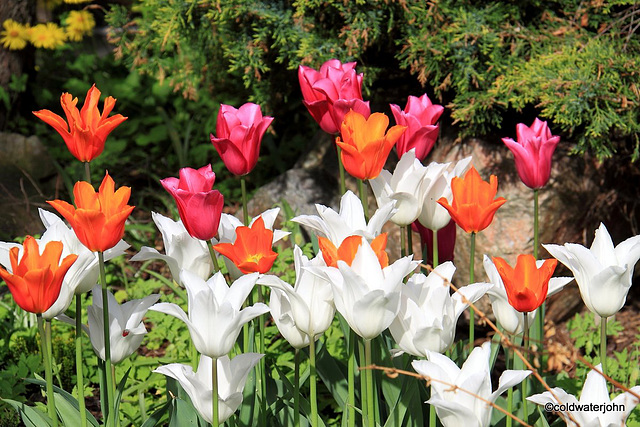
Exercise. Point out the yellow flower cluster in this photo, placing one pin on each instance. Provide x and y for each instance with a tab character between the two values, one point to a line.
79	24
15	35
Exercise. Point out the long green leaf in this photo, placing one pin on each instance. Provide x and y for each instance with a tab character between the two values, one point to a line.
157	416
68	397
31	417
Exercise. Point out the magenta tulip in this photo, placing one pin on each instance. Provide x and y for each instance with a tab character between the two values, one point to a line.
199	206
240	133
446	241
533	152
330	93
420	117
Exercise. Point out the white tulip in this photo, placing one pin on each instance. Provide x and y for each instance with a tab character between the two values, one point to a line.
232	375
432	214
126	328
595	408
182	252
350	221
511	319
603	272
454	406
367	295
429	313
304	311
215	311
408	186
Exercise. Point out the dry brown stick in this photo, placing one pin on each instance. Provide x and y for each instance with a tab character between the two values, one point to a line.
504	339
393	372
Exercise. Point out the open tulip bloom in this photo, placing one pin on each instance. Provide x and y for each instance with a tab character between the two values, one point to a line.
98	219
420	117
348	221
239	135
603	272
453	405
330	93
251	252
511	319
85	131
595	408
532	152
408	186
304	311
126	327
182	252
366	294
216	315
433	215
428	312
231	375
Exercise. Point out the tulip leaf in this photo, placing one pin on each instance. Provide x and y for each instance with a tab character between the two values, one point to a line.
31	417
70	402
332	375
119	389
183	414
155	418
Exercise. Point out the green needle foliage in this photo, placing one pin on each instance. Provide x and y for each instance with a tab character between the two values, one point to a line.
575	63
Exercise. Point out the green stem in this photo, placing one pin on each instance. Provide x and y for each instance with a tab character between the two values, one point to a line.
312	385
525	383
214	258
79	373
368	373
48	374
351	381
109	416
471	280
409	240
509	364
363	198
432	416
296	388
603	344
535	224
403	243
343	187
262	380
87	171
245	212
435	248
214	394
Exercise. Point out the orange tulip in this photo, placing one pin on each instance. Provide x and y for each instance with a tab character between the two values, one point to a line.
473	205
251	252
87	129
99	218
365	146
349	247
36	280
526	285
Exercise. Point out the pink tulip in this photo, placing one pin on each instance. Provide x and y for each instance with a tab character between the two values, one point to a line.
446	241
199	206
533	152
240	133
420	117
330	93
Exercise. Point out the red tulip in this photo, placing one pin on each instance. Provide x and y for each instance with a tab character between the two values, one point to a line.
330	93
87	129
36	280
99	218
240	133
533	152
199	206
420	117
526	284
